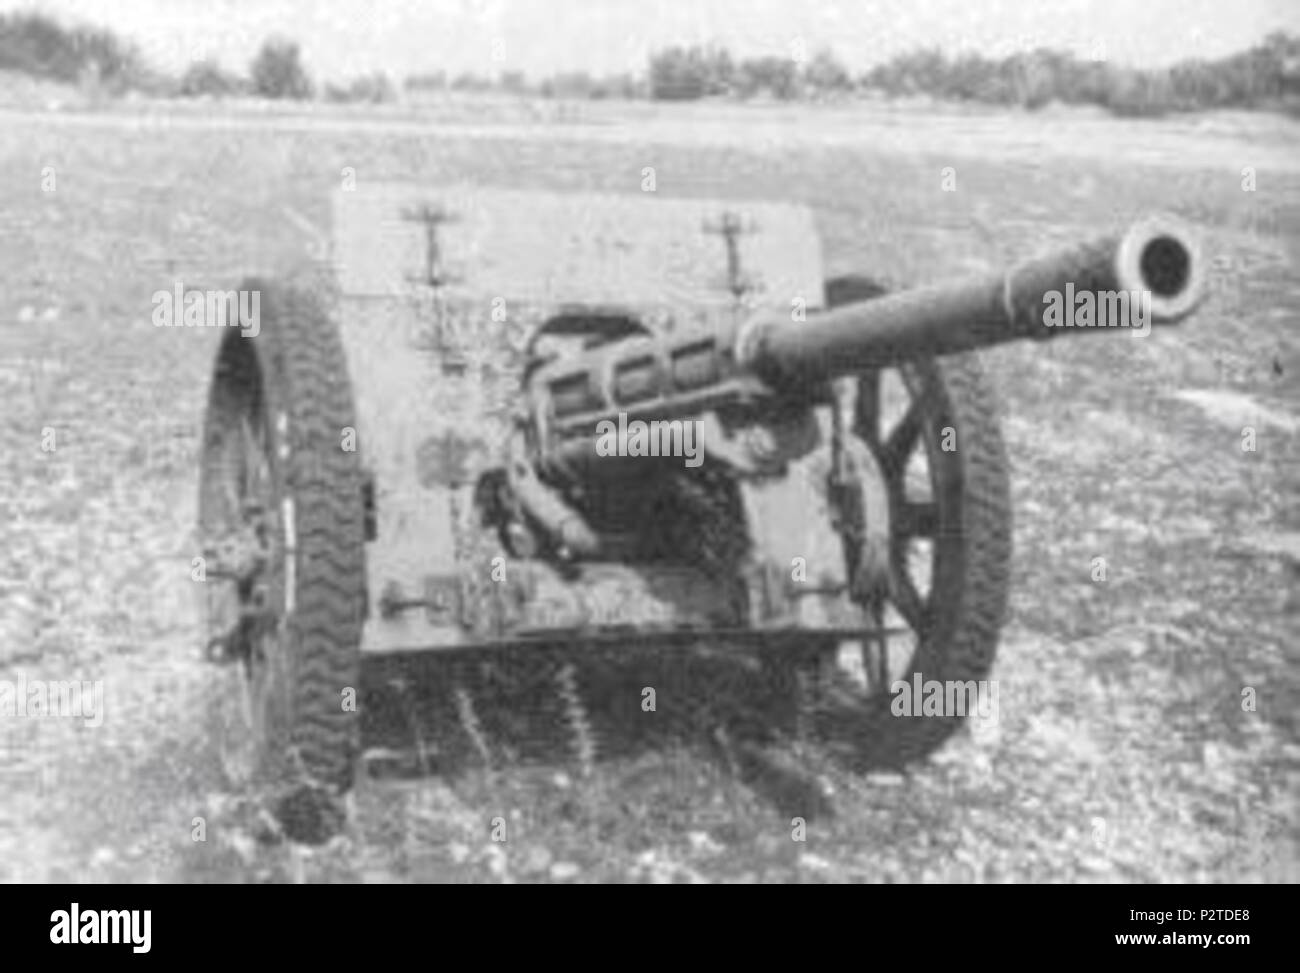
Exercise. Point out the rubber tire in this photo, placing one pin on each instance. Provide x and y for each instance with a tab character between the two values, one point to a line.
297	360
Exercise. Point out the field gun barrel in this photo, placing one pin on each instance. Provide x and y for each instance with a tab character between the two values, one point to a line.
1150	274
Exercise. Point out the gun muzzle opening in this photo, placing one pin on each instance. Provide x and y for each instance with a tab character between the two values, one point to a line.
1163	259
1165	266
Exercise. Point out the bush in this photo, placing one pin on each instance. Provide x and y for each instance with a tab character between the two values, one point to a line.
687	73
513	82
277	71
40	46
775	75
207	78
435	81
374	89
469	81
1139	94
579	84
622	86
573	84
825	73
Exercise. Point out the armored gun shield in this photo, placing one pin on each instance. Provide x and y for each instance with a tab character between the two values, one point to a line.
539	419
449	298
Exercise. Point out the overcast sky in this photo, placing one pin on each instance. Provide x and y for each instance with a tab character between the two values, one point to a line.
345	37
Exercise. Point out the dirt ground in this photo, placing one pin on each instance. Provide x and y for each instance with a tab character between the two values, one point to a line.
1124	751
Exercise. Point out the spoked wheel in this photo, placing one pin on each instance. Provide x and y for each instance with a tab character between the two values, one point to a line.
245	584
281	520
922	446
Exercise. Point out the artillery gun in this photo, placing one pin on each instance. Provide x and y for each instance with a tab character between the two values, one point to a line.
538	420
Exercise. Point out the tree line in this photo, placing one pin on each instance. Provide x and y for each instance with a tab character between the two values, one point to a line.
1263	77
